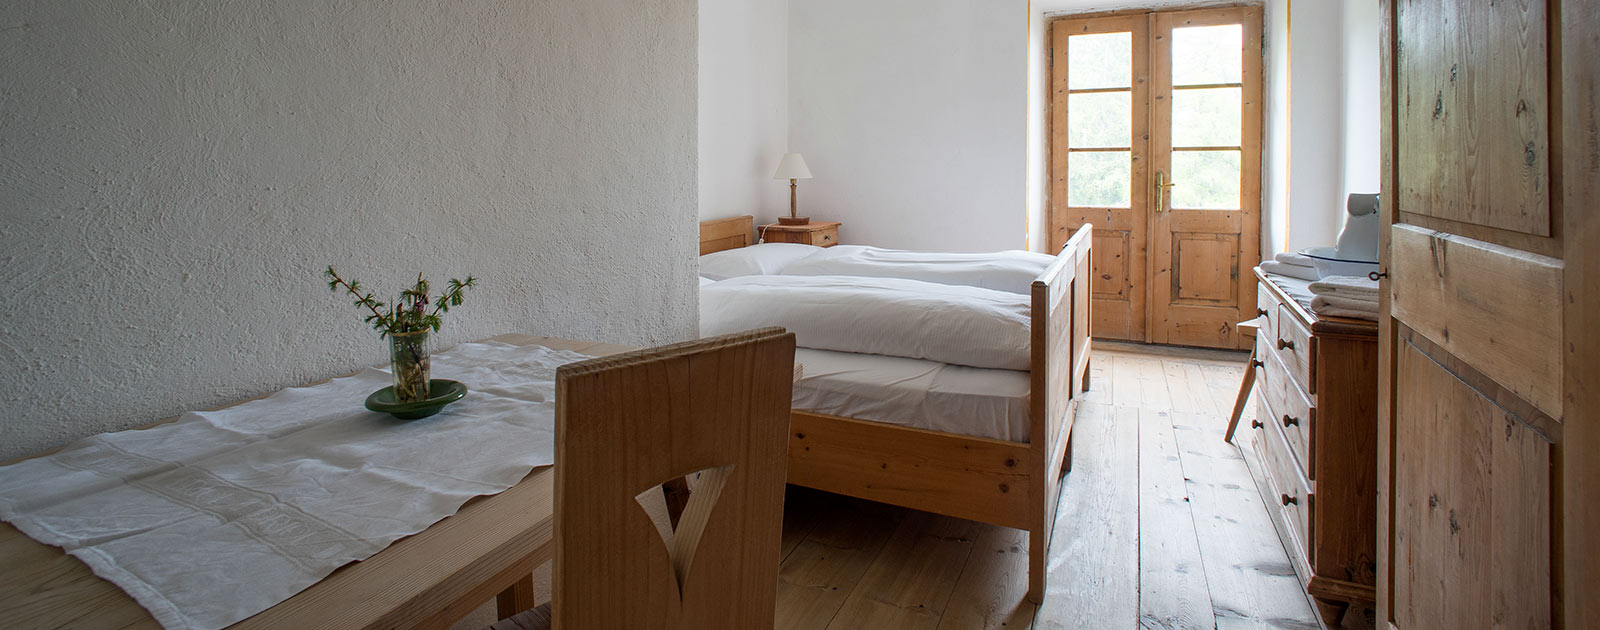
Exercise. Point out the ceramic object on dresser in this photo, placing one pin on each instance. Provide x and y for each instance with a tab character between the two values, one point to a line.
1329	263
444	392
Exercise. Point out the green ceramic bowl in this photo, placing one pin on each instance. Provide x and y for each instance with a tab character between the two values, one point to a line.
444	392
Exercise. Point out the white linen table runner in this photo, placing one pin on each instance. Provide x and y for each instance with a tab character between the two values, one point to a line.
220	515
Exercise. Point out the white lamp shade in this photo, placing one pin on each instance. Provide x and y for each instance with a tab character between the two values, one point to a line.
792	167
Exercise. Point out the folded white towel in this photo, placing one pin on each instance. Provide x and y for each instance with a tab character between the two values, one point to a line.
1293	271
1353	287
1330	311
1291	258
1333	301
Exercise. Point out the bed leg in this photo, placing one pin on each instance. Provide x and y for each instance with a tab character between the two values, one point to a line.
1066	457
1038	544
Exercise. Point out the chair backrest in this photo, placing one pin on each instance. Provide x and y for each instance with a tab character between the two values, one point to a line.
627	423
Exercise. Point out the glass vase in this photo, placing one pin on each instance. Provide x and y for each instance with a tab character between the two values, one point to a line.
408	359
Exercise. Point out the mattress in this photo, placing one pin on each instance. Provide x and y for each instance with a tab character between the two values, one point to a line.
977	402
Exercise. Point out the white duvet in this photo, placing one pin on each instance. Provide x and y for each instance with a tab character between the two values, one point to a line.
1011	271
961	325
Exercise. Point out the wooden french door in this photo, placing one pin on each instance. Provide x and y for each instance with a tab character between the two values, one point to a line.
1156	141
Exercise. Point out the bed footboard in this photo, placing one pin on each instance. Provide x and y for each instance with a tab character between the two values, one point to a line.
1058	364
966	477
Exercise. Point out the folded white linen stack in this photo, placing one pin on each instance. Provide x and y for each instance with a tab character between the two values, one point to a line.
1345	296
220	515
1292	265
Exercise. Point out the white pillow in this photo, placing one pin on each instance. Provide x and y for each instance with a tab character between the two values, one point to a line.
705	281
755	260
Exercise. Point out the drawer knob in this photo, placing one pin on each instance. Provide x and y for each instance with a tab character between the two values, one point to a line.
1255	363
1284	343
1288	501
1256	424
1290	422
1261	312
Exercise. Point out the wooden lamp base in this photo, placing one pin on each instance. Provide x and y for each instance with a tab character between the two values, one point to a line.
794	220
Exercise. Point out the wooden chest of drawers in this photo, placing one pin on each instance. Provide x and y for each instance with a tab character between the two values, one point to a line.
1313	446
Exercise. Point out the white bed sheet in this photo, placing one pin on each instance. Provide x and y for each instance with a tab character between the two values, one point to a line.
1012	271
978	402
888	316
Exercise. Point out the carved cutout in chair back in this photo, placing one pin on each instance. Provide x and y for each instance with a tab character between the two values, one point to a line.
627	423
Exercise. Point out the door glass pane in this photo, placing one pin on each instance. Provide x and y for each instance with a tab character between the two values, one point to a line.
1098	179
1207	180
1102	60
1099	119
1207	54
1206	118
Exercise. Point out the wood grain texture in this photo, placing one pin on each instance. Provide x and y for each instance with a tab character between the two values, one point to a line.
725	234
927	553
1121	236
818	233
1198	284
1472	507
1172	579
976	478
827	565
1498	309
628	422
1474	114
991	593
1317	445
1580	169
1094	568
1252	583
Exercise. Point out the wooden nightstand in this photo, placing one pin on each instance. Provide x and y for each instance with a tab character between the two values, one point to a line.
820	234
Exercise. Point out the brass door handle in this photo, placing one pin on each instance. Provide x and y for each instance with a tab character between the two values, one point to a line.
1162	184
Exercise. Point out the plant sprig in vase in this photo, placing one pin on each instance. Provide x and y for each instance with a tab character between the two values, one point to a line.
406	323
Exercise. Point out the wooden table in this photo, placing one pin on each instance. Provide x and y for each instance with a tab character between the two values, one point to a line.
487	549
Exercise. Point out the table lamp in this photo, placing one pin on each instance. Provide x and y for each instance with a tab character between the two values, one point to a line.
792	168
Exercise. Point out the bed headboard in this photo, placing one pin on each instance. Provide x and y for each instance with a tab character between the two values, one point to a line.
723	234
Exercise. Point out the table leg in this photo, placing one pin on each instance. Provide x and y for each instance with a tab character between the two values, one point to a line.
517	598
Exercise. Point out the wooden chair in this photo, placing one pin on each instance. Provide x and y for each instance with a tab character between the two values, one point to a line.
627	423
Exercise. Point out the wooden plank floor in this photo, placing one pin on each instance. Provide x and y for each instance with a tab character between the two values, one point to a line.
1160	526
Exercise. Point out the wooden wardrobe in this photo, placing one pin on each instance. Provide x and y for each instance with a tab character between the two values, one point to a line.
1488	469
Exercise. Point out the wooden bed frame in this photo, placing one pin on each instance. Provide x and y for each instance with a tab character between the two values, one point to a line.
1004	483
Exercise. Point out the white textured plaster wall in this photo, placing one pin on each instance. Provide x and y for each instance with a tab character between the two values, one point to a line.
912	115
744	107
174	175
